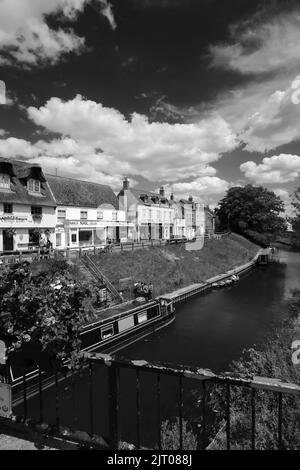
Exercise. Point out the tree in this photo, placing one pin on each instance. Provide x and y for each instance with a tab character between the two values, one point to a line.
296	205
46	311
251	209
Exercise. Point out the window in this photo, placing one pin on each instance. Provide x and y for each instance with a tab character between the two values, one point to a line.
33	185
74	238
36	211
114	215
99	215
142	317
8	208
61	214
4	181
58	239
34	237
107	331
83	215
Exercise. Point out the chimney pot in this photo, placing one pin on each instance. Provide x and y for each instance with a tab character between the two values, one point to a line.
162	191
190	198
126	183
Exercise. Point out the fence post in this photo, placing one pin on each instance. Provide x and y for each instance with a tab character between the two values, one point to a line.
113	405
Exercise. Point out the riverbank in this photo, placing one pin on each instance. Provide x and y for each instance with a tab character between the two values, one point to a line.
172	267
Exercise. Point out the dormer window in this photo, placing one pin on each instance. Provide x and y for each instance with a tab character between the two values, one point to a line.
33	185
4	181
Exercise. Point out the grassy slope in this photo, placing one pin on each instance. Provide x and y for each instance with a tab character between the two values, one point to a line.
170	268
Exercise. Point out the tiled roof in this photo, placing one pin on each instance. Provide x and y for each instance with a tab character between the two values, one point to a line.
19	172
71	192
139	193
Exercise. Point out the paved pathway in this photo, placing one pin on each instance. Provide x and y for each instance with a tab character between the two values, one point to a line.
15	443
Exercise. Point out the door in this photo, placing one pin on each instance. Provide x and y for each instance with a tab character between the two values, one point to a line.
8	241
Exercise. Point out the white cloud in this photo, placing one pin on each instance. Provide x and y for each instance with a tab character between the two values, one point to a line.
277	169
26	38
154	150
261	46
206	189
262	112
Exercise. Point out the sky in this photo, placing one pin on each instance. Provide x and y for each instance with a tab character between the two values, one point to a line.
195	95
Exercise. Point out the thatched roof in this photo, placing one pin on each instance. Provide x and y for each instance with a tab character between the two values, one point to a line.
19	173
71	192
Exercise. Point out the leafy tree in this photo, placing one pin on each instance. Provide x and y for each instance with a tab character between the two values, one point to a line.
251	210
45	310
296	205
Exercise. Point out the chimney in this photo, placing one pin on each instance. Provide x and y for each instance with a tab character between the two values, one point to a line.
162	191
126	183
190	198
172	197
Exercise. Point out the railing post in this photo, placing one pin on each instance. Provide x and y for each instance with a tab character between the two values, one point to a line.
113	405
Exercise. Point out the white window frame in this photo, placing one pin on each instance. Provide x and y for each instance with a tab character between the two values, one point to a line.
142	317
4	181
107	327
59	215
83	212
99	215
33	185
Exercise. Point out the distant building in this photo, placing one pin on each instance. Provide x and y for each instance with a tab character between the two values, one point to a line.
194	216
289	227
87	213
209	221
27	206
150	212
179	220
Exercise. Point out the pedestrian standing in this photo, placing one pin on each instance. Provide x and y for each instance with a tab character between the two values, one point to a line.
150	290
146	291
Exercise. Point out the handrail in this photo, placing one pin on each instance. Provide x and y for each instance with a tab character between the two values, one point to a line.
91	265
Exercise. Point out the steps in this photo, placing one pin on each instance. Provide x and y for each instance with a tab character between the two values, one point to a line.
92	272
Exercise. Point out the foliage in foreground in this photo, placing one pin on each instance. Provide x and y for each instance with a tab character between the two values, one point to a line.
273	361
170	436
44	310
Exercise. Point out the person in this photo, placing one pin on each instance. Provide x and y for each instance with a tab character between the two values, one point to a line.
150	290
146	291
138	289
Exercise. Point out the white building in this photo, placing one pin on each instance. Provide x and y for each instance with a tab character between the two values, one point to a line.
151	213
27	207
87	213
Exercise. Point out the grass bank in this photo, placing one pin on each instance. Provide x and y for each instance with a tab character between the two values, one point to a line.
172	267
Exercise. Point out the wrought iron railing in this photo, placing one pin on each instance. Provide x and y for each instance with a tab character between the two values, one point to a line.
250	386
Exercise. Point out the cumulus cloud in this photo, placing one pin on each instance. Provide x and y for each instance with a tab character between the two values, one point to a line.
154	150
207	189
26	38
277	169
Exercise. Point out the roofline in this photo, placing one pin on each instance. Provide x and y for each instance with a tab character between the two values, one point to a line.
76	179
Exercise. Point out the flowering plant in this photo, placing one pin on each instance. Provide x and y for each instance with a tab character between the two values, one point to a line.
43	310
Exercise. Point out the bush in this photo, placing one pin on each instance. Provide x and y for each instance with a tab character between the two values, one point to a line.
170	436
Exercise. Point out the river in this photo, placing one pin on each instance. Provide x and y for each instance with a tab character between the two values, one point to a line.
210	331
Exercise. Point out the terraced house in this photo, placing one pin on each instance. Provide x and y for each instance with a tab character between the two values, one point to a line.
27	206
86	214
151	213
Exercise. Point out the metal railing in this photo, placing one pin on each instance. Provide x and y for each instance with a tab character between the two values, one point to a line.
96	272
251	387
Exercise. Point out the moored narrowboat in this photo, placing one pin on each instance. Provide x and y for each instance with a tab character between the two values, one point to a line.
114	329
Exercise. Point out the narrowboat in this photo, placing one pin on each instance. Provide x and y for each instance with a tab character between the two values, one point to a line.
115	328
